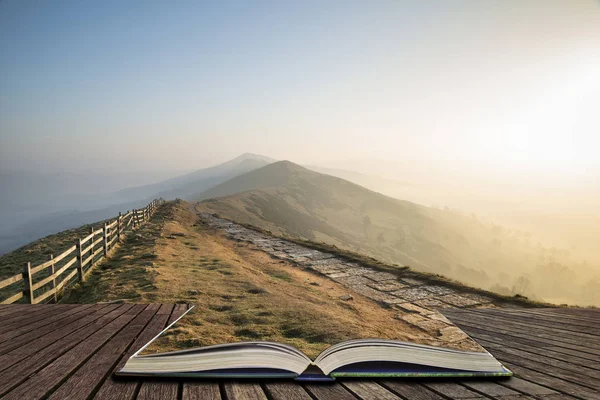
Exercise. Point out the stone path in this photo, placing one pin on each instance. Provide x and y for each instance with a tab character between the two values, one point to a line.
415	300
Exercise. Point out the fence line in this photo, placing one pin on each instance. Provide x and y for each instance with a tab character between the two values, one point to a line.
87	254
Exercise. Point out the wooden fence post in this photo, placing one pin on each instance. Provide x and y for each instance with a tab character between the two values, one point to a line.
92	248
51	270
28	282
80	263
105	233
134	216
119	227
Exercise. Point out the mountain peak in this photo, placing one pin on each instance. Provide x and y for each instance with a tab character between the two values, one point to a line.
253	156
287	164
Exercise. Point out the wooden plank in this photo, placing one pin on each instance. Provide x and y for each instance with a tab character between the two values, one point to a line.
286	391
66	280
368	390
41	297
19	311
48	263
502	343
524	338
66	266
37	340
540	335
244	391
166	310
44	281
329	391
24	368
575	319
21	335
112	224
41	267
557	329
65	253
101	239
553	382
90	247
491	389
536	365
13	298
99	231
178	311
34	317
11	281
557	317
6	310
90	375
452	390
533	332
55	275
86	262
584	312
88	237
201	391
556	363
410	390
41	384
543	321
526	387
125	389
158	390
100	250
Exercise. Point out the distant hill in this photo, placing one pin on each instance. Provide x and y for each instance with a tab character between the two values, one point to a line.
288	199
191	184
35	205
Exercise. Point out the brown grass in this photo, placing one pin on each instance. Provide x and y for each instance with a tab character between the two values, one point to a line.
239	293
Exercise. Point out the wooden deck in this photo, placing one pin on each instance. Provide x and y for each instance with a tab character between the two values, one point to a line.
69	351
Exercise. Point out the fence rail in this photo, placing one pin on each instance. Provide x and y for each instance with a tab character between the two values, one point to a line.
76	268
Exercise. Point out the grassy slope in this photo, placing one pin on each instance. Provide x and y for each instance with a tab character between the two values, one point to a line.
240	293
38	252
292	201
405	271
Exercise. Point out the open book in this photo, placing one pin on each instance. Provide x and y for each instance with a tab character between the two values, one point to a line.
352	358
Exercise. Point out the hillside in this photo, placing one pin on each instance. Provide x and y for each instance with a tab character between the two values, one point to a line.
289	199
195	182
293	201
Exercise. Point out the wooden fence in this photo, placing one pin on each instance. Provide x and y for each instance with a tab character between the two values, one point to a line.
73	265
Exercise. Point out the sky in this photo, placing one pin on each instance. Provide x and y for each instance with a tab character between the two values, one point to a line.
174	86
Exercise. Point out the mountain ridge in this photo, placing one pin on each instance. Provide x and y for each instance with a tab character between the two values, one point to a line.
293	201
201	179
